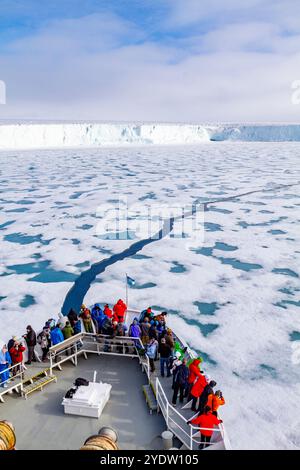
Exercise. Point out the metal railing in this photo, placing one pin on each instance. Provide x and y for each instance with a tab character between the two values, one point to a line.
85	343
188	434
14	380
221	428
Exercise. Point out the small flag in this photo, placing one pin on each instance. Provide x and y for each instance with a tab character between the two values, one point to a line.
130	281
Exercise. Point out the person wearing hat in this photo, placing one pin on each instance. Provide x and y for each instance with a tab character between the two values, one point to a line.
151	349
161	318
181	376
16	354
44	340
85	314
215	400
208	390
165	356
30	338
146	313
107	311
11	342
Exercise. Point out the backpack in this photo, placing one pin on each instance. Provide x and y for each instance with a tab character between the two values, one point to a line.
70	393
78	382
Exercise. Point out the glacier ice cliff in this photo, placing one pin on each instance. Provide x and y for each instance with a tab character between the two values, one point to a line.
57	135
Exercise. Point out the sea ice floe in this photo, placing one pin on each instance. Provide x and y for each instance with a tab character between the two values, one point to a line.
234	297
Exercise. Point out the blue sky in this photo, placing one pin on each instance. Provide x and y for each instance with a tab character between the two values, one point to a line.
167	60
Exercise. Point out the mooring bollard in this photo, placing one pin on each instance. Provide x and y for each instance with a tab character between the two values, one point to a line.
167	437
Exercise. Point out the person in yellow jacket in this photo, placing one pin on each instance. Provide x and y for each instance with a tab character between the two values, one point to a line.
215	400
85	314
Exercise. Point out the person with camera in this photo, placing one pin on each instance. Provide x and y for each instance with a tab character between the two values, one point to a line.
16	353
214	401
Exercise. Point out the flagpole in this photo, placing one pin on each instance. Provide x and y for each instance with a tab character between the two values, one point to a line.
126	291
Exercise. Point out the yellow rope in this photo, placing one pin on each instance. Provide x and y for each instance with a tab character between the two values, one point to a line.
99	443
7	436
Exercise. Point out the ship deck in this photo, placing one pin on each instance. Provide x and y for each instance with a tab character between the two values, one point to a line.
40	421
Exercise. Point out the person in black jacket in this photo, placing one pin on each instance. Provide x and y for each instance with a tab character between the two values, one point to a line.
208	389
30	339
72	317
165	357
181	376
107	330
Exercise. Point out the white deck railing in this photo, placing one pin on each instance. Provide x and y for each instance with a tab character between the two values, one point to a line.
14	382
176	422
188	434
85	343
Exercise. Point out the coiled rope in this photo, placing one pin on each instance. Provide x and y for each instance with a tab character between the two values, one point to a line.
105	440
7	436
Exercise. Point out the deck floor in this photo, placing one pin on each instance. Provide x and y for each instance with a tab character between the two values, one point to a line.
40	421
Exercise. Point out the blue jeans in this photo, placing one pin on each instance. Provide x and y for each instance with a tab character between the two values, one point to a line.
165	361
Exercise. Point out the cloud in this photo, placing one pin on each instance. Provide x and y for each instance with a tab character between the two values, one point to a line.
106	67
285	13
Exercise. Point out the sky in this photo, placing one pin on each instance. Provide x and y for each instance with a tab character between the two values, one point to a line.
150	60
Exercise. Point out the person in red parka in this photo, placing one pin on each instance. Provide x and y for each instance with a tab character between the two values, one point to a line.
119	311
16	354
107	311
194	373
197	390
206	420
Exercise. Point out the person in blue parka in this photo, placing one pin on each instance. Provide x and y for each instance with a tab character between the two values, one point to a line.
56	335
77	327
98	317
5	362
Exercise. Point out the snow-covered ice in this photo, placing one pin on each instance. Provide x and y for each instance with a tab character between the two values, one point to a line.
235	298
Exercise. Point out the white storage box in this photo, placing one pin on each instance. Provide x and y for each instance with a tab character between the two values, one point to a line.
88	401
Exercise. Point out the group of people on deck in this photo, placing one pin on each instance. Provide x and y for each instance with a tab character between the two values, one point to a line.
153	338
108	321
105	321
188	380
